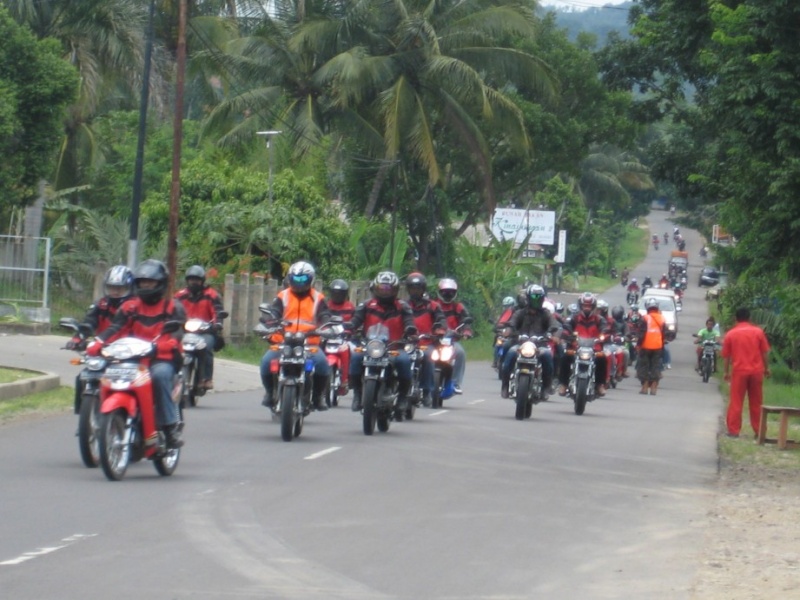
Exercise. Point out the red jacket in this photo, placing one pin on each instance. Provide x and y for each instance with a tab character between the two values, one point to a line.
397	317
205	306
146	322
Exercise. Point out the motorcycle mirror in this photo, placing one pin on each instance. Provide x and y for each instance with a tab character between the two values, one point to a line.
337	319
267	310
68	322
223	314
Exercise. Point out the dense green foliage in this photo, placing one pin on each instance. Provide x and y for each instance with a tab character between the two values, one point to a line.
35	86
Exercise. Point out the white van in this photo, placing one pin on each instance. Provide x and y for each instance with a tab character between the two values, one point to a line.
666	304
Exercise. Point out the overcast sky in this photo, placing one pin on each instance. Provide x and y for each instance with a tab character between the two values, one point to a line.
579	4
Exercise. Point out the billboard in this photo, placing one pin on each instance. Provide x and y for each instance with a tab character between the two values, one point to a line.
516	223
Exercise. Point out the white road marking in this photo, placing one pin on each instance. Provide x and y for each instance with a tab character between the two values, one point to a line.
47	550
438	412
322	453
476	401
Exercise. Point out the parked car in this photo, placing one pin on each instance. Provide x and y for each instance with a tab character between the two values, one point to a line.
709	276
666	304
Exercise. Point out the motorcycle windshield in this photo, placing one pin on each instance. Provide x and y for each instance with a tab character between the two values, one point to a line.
379	331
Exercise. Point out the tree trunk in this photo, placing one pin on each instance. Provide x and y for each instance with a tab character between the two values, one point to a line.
377	185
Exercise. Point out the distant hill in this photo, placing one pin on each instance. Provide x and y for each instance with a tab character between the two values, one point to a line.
597	21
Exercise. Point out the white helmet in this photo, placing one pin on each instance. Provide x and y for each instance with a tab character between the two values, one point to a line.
301	277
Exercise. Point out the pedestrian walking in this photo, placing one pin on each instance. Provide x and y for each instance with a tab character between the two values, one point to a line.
745	349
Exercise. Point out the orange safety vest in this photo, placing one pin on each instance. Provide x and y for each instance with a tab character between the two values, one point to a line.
654	336
301	312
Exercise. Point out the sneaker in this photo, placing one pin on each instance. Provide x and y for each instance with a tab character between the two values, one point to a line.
173	437
343	389
669	366
267	401
601	390
208	384
457	389
426	399
562	390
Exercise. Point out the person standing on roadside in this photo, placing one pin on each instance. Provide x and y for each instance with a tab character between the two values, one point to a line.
651	347
745	348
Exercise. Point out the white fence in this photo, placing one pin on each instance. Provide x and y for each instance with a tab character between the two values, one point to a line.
24	274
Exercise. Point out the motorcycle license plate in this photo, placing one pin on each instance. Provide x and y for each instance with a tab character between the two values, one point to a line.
121	372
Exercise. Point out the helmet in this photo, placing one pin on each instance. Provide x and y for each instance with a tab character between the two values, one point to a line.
602	306
416	284
573	309
448	288
633	280
587	302
651	303
150	270
385	286
118	277
618	313
339	289
559	308
535	294
509	302
301	277
195	272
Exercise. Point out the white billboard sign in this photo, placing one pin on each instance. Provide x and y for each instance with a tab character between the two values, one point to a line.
517	223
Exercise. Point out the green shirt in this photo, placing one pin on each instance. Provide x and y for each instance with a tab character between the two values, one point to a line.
707	334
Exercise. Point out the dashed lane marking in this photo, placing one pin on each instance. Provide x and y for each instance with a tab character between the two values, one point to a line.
322	453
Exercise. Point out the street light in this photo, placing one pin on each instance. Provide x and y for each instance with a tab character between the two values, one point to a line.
268	135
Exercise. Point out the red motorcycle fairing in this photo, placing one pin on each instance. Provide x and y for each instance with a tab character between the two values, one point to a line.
117	400
333	359
131	404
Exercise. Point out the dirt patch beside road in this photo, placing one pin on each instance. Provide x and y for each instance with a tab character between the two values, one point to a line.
752	547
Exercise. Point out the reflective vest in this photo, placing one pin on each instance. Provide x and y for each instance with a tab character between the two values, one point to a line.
301	312
654	334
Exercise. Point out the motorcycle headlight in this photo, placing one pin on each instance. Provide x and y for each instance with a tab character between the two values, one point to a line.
376	348
527	349
585	354
95	363
671	327
409	348
298	351
286	351
443	354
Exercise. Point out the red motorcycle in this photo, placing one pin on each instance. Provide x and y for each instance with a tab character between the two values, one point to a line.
127	425
655	242
336	347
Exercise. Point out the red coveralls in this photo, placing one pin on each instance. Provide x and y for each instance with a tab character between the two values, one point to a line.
745	345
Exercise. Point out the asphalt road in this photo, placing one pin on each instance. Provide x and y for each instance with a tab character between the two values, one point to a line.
464	502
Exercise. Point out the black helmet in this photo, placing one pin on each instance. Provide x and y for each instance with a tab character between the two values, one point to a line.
301	277
195	272
535	296
339	289
618	313
416	285
153	270
385	286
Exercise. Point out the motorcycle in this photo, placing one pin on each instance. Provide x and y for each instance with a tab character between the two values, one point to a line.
127	427
708	359
655	242
444	359
293	372
380	385
193	343
581	386
613	273
613	346
624	280
525	382
502	335
333	347
632	298
666	239
87	394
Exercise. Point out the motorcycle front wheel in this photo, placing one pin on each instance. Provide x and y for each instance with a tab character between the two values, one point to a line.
581	395
370	398
288	416
332	393
88	424
523	389
706	370
115	454
436	393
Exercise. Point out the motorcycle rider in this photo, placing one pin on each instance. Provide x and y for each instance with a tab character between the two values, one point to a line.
633	288
625	275
619	327
664	281
533	320
647	283
384	308
509	306
585	324
144	316
428	319
709	333
117	285
652	335
301	308
456	314
340	306
202	302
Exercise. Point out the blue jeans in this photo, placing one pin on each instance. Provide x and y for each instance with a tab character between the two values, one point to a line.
401	364
426	372
163	375
321	367
545	356
460	364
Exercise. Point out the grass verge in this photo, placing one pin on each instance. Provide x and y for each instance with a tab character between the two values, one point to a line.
51	401
12	375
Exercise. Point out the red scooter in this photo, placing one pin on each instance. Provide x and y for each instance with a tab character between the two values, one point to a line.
337	351
127	425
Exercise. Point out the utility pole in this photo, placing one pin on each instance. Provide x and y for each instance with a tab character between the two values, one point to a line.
269	135
133	243
177	140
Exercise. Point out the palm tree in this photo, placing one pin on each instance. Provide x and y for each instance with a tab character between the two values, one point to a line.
607	177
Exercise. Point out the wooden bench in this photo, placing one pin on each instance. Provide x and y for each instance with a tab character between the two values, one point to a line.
785	412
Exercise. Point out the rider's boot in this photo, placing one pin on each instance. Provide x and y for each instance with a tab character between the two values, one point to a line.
268	400
355	385
402	395
318	388
173	436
